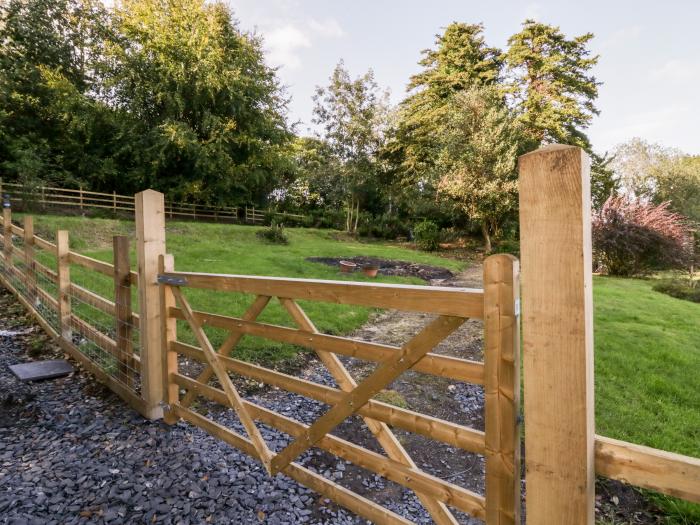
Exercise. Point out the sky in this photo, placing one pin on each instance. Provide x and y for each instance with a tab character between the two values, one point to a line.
649	52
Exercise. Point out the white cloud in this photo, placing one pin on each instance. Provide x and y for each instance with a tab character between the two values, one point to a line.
328	28
283	45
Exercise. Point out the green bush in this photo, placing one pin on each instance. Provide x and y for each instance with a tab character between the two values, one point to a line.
274	234
680	289
427	236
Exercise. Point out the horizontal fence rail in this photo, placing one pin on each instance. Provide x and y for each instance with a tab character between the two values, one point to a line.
85	199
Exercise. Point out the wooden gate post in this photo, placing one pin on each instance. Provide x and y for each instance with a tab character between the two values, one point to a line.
122	308
150	245
171	393
502	389
555	245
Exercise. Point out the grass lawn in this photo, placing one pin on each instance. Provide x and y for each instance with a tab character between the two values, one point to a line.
235	249
647	359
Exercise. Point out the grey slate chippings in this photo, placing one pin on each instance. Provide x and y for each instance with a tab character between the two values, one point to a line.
71	452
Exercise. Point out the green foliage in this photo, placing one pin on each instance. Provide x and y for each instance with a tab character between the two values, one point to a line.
427	236
477	162
275	234
460	61
353	117
680	289
553	87
678	180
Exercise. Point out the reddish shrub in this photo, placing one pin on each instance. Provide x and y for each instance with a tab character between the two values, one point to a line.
632	237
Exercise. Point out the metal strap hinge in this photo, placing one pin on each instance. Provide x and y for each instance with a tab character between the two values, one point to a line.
171	280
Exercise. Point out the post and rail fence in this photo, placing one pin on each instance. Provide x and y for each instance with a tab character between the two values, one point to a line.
121	324
82	199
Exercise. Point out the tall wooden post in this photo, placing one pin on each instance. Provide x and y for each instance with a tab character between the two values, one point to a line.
63	271
502	388
29	262
7	239
171	393
122	307
555	244
150	245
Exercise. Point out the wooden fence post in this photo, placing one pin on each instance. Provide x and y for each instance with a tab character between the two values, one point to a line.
29	256
122	308
502	388
150	244
7	238
555	244
114	202
171	392
81	196
63	271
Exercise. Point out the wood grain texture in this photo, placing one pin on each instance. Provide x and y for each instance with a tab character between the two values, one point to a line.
381	431
150	245
555	241
502	389
439	365
463	302
64	286
122	300
235	400
171	393
453	434
650	468
29	259
384	374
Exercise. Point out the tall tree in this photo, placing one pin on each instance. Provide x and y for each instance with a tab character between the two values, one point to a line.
552	84
478	157
209	114
352	114
49	56
633	163
461	60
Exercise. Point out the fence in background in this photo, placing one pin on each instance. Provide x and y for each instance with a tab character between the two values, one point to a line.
83	199
138	356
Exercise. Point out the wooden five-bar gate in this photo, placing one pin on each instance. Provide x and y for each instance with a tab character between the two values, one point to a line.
497	305
121	323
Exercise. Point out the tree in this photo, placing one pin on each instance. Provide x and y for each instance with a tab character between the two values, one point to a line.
551	84
50	53
209	114
478	158
677	180
635	164
352	115
461	60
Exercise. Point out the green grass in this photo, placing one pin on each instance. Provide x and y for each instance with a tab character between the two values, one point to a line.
647	373
235	249
647	358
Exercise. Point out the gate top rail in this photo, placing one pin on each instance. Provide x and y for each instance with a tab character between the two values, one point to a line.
458	302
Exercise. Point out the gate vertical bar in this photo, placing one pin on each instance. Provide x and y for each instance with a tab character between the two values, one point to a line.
502	389
150	244
555	243
122	308
63	272
171	393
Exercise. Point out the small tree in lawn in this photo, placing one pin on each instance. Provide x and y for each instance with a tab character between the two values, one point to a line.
478	157
353	116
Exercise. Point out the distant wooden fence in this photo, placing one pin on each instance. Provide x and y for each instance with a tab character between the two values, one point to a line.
84	199
136	352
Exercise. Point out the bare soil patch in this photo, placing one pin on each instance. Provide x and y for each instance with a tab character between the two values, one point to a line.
391	267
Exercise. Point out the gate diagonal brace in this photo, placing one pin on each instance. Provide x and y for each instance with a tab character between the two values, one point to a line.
355	399
381	431
231	393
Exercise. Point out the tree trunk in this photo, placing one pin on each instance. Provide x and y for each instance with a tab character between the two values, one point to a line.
357	216
487	237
